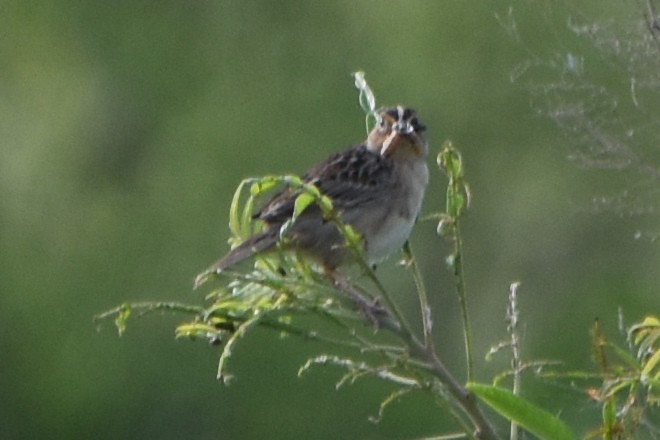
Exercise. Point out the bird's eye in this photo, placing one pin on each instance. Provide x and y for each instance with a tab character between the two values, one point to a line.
383	125
418	126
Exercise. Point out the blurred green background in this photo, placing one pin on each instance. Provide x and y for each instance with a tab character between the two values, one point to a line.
126	126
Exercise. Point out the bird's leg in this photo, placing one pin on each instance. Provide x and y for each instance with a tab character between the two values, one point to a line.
370	308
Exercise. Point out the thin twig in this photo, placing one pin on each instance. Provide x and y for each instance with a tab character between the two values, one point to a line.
459	278
426	353
464	399
458	198
516	362
425	309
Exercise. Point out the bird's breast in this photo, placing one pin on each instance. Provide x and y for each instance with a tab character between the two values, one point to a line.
396	216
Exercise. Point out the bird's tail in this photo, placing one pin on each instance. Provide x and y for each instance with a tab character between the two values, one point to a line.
253	245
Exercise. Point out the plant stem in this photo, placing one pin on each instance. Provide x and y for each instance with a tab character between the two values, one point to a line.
425	309
458	198
425	352
391	304
464	399
512	317
459	277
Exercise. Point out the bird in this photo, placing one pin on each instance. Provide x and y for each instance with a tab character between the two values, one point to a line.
377	187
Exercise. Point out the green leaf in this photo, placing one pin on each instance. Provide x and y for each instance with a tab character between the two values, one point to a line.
450	161
651	363
195	329
609	415
234	209
302	202
325	203
263	185
642	330
352	237
529	416
311	189
123	314
445	225
455	203
292	180
246	217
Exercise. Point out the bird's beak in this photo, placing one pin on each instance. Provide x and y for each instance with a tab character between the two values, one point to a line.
398	139
390	144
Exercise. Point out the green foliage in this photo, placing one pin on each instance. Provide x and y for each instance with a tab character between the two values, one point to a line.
126	131
283	291
282	288
629	379
537	421
646	337
450	162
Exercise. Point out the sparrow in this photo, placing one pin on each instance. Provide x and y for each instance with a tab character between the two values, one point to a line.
376	187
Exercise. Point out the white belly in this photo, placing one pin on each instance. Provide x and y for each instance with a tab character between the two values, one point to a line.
396	225
391	238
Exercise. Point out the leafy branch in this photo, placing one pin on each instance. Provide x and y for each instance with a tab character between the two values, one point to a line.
283	287
450	162
283	290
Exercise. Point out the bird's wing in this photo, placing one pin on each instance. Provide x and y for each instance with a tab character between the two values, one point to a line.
348	178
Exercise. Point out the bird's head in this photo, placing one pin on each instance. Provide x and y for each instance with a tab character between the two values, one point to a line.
398	131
